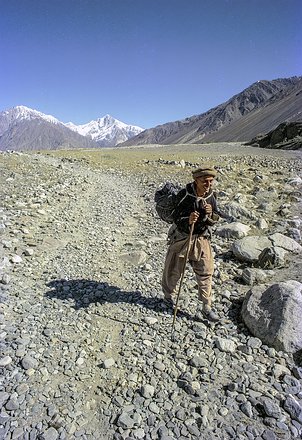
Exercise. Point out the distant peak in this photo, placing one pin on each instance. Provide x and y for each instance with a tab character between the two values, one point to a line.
22	107
21	112
107	118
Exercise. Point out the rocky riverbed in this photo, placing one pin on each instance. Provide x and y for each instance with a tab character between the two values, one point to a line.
86	342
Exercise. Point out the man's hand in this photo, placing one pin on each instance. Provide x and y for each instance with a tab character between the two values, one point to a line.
193	217
208	209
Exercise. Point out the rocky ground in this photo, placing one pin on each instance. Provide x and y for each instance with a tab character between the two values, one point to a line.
86	342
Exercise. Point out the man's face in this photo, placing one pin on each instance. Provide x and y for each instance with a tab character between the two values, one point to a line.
204	183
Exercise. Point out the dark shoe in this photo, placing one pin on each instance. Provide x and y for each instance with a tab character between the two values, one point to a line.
209	314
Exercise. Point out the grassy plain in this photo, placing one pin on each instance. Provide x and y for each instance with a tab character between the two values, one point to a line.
151	159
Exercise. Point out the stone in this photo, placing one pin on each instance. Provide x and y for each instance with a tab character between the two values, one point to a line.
16	259
108	363
125	421
294	408
147	391
261	224
285	242
273	256
280	370
29	362
237	211
273	314
249	248
4	396
247	409
233	230
5	279
150	320
135	258
225	345
5	361
291	385
50	434
271	408
254	343
29	252
253	276
198	361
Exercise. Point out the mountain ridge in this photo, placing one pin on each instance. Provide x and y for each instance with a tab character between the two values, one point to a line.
195	129
107	130
24	128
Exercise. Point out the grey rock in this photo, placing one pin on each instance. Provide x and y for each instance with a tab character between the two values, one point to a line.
271	408
294	408
12	404
225	345
198	361
268	434
50	434
261	223
253	276
273	315
6	360
135	258
249	248
254	342
285	242
272	257
297	372
147	391
125	421
5	279
4	396
29	362
233	230
291	385
108	363
247	409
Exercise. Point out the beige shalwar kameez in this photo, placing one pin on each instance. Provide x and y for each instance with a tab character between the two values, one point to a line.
201	260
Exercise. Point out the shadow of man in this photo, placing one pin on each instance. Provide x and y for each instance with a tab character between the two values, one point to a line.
82	292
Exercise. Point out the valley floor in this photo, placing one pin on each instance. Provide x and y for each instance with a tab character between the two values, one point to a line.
86	338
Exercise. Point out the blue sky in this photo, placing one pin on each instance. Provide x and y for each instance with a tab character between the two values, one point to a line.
145	62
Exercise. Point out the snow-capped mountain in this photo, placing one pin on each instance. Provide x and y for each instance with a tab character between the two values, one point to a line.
22	113
106	131
22	128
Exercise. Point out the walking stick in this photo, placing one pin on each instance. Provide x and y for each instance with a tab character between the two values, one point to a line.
182	276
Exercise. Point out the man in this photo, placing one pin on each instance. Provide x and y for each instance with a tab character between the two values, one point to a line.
196	205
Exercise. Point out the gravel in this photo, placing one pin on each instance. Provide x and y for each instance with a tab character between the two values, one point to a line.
85	336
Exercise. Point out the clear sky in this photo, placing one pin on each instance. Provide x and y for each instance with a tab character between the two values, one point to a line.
145	62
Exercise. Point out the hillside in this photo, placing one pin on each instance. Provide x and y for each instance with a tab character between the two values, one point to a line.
286	108
22	128
270	95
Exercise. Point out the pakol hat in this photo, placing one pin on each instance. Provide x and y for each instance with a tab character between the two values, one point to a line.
205	170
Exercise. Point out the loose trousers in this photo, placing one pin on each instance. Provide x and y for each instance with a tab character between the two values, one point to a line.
201	260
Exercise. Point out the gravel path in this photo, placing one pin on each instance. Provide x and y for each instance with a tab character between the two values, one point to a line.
86	339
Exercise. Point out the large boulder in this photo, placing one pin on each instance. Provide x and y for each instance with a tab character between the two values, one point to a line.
285	242
233	230
273	314
237	211
272	257
249	248
251	275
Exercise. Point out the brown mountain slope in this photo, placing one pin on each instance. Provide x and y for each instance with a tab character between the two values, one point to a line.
42	135
286	109
195	128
